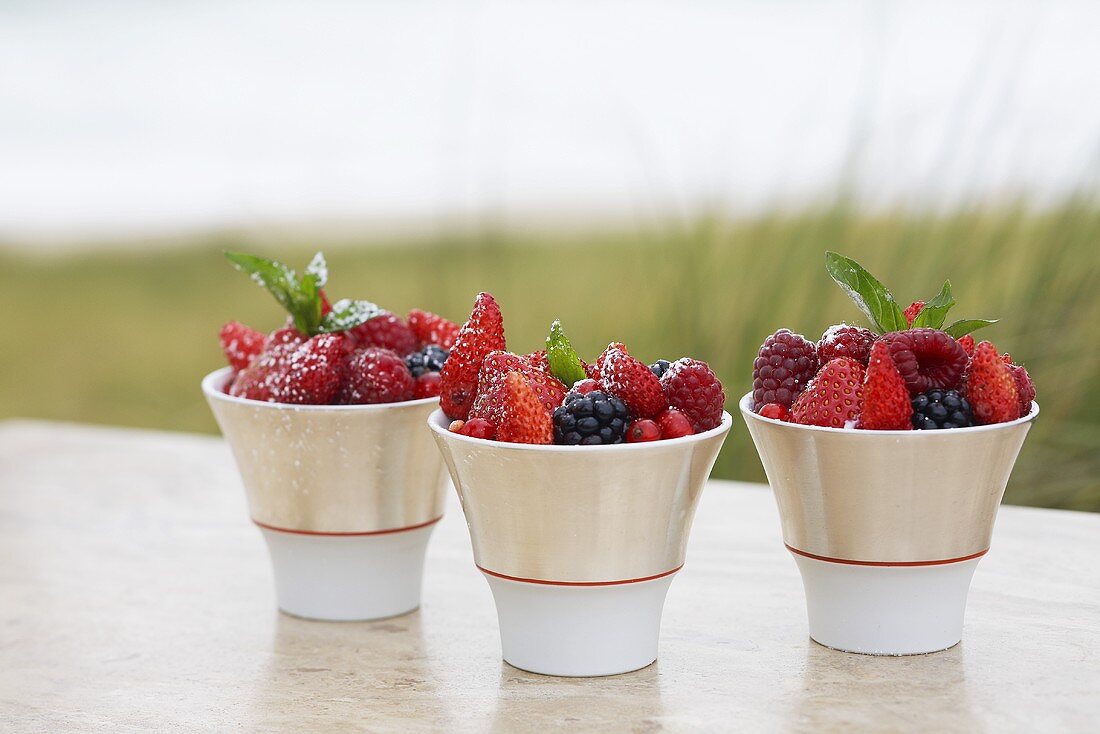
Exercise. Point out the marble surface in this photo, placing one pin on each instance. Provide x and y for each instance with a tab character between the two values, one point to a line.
135	595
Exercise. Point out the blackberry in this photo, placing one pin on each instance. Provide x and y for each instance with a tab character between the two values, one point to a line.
941	409
428	359
660	367
592	419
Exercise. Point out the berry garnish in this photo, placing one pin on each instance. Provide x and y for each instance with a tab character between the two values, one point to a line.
926	358
783	367
550	391
523	418
429	359
937	409
376	375
1025	389
660	367
590	419
631	381
427	386
241	344
643	430
585	386
912	312
885	405
991	387
692	388
674	424
386	331
775	411
844	340
832	398
431	328
478	428
481	334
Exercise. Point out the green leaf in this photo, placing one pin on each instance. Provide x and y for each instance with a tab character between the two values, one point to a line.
563	359
278	279
346	314
318	268
870	295
935	311
966	326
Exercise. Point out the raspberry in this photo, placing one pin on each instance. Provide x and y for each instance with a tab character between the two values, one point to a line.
549	390
938	409
426	386
1025	388
386	331
429	359
912	312
643	430
967	343
522	418
255	381
631	381
376	375
775	411
832	398
784	365
991	387
885	405
926	359
692	388
674	424
431	328
312	374
660	367
590	419
843	340
241	344
481	334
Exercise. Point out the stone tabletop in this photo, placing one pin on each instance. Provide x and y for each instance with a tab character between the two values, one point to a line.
135	595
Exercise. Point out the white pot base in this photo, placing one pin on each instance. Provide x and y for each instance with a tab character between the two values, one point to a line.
348	577
579	631
886	610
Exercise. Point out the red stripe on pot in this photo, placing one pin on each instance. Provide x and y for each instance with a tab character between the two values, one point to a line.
850	562
578	583
388	531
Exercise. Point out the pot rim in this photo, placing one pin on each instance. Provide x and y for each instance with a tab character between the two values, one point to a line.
213	383
745	404
439	422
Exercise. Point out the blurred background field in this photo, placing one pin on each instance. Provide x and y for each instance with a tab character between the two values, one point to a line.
123	337
664	174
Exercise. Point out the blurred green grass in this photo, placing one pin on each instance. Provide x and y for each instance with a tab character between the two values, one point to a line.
123	337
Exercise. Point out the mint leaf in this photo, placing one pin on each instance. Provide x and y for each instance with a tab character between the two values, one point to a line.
563	359
347	314
869	295
278	279
318	269
965	326
935	311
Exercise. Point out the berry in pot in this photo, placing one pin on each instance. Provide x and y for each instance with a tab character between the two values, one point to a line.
936	409
592	419
429	359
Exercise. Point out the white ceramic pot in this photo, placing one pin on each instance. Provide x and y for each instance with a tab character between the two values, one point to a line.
579	544
346	497
886	527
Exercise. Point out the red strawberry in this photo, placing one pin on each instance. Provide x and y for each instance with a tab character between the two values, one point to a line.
600	359
539	361
674	424
886	405
386	331
376	375
241	344
631	381
926	359
432	328
1024	387
844	340
912	312
255	381
549	390
832	398
513	407
312	374
481	334
692	387
991	387
967	343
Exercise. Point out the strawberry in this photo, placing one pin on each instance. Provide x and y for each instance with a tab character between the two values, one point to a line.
1024	387
432	328
967	343
991	387
312	374
376	375
631	381
886	405
539	361
516	412
912	312
833	396
549	390
386	331
241	344
692	387
481	334
603	357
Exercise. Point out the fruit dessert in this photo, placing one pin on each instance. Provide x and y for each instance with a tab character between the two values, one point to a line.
347	353
552	396
907	371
